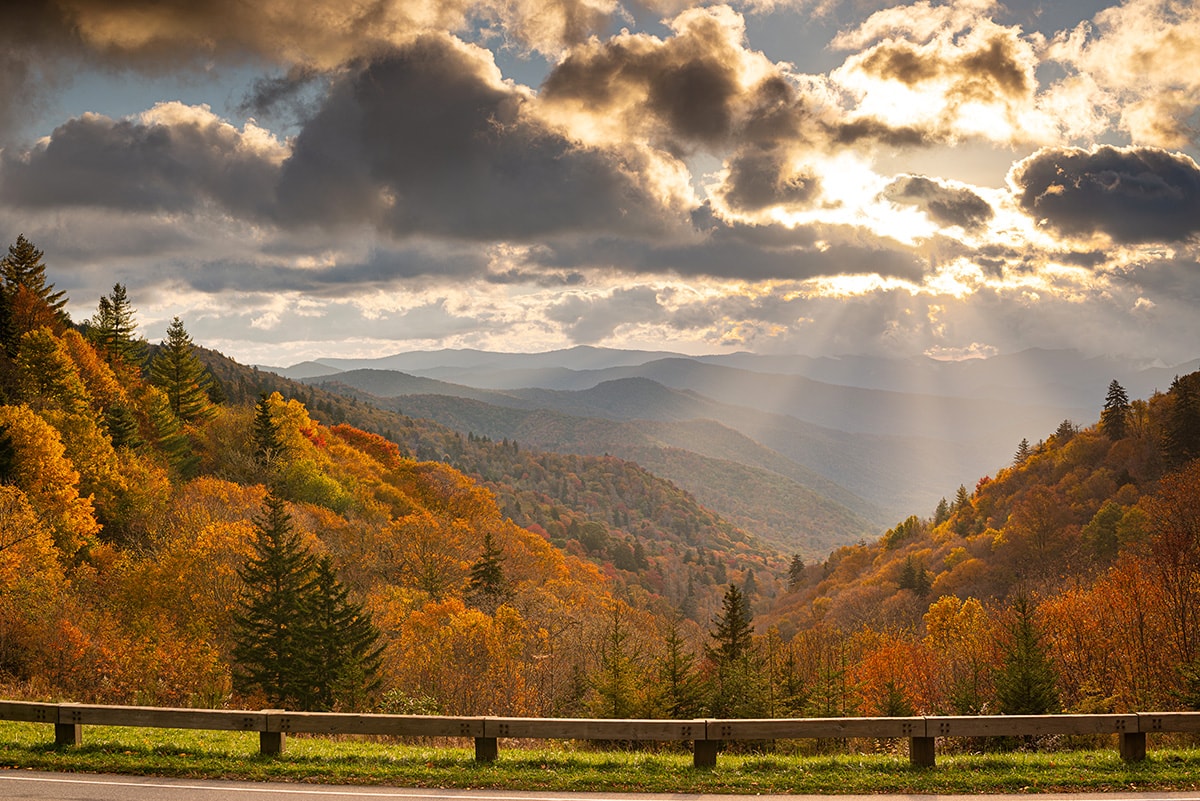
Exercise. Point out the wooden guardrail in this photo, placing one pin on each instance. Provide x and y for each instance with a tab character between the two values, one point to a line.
706	735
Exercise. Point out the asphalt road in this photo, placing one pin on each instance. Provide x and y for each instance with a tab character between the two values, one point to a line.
25	784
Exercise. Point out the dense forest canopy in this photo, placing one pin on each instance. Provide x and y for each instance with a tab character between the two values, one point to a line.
152	494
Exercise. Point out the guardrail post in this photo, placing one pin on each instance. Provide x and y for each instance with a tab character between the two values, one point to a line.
487	749
921	752
67	728
272	741
1133	746
704	753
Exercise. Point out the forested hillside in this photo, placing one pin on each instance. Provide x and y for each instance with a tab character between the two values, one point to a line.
176	530
147	498
792	509
1075	569
654	540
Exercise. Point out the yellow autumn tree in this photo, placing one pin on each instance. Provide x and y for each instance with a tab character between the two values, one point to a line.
49	480
472	663
31	580
960	633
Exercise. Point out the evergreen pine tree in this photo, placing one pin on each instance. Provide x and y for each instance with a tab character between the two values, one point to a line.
914	576
272	622
340	661
179	373
122	427
679	694
1115	416
487	588
796	572
616	684
167	430
9	336
750	585
268	447
739	686
1025	683
1065	431
962	498
1181	432
1023	452
734	635
33	301
113	329
942	513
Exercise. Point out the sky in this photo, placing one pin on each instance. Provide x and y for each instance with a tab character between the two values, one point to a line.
819	177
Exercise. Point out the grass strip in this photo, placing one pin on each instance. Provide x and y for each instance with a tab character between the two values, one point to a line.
234	755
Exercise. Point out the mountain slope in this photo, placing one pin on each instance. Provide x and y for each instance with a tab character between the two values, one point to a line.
766	494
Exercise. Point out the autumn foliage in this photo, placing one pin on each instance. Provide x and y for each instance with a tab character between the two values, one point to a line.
126	526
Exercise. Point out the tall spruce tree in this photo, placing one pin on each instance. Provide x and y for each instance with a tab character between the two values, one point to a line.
734	635
340	663
678	693
272	623
739	686
796	572
122	426
1025	682
9	336
268	446
617	682
113	329
1024	451
487	588
33	302
178	372
942	513
1181	432
1114	418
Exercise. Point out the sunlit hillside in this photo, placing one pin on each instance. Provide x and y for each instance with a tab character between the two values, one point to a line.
145	492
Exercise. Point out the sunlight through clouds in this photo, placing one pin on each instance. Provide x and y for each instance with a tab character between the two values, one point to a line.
920	177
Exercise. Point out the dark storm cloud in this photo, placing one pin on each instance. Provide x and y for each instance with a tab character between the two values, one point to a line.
383	268
427	140
866	130
424	141
1133	195
687	84
943	204
320	33
269	94
742	252
700	87
759	179
548	280
134	166
43	41
35	44
992	67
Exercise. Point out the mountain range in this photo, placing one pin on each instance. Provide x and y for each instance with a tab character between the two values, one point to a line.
808	453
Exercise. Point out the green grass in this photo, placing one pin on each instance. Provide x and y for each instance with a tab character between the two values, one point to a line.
234	755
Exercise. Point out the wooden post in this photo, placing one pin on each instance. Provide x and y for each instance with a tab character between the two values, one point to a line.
1133	746
704	753
272	741
68	734
921	752
67	727
487	749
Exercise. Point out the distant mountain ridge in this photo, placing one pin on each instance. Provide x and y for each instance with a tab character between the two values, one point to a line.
757	437
1043	376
